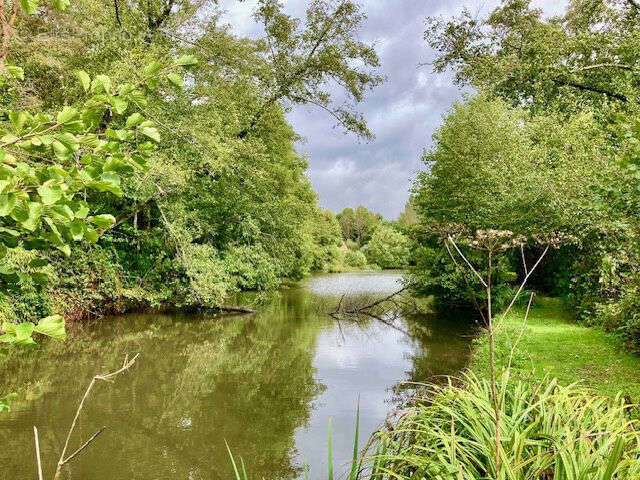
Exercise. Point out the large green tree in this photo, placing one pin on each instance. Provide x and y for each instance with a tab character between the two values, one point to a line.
585	58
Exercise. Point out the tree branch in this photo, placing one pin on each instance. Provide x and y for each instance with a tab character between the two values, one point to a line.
84	445
115	6
587	88
107	377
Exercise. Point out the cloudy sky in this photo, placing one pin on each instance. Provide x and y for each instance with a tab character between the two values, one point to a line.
403	113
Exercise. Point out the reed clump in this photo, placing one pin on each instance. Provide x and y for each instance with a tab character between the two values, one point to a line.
548	432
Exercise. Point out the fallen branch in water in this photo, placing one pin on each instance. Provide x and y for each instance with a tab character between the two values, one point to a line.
364	308
378	310
239	309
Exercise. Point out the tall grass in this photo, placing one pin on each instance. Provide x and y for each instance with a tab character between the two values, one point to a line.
547	432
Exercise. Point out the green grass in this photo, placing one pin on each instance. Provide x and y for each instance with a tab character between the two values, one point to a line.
555	346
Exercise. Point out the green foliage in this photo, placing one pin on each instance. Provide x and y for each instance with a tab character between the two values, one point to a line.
583	59
492	167
251	268
387	248
566	160
545	428
355	258
304	59
434	273
358	225
48	160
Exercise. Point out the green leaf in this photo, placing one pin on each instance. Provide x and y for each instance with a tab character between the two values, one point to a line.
151	132
7	203
76	228
38	262
61	4
84	78
50	194
120	105
68	114
153	68
29	6
61	151
34	217
187	61
176	79
18	119
82	212
40	278
135	119
101	84
15	72
102	221
91	234
52	326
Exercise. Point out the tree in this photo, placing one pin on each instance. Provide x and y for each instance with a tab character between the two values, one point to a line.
49	162
409	216
304	62
358	225
586	58
387	248
492	166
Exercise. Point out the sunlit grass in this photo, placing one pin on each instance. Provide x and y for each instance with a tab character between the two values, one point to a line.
555	346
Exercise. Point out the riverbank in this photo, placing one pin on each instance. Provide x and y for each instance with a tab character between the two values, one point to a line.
553	345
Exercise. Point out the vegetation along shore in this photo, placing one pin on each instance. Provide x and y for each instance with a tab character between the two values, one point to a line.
150	162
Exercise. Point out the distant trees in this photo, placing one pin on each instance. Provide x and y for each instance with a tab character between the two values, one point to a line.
358	225
388	248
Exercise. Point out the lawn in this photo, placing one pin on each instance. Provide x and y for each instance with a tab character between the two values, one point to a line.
553	345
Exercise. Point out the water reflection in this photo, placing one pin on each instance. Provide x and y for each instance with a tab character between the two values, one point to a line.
266	384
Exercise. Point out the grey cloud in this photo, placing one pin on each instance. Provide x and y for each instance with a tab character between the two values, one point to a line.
403	113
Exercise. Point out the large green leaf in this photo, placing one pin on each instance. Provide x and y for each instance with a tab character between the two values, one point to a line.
102	221
67	114
176	79
50	194
187	61
7	202
29	6
52	326
151	132
84	78
61	4
135	119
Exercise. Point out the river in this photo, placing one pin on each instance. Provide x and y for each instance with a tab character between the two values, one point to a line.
266	384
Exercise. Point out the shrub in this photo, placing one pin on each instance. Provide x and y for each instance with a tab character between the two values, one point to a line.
251	268
355	259
209	279
388	248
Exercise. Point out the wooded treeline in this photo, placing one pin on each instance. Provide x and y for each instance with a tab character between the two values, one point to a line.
222	202
549	144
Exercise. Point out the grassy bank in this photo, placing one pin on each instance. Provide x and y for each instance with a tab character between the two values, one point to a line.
553	345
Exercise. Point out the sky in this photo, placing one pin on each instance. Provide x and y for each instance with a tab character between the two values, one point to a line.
403	113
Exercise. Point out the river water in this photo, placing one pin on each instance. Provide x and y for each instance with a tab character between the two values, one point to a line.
266	384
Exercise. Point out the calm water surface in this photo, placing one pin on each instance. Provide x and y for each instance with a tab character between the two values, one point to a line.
267	384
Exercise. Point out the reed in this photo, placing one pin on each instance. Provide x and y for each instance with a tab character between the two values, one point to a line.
548	432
